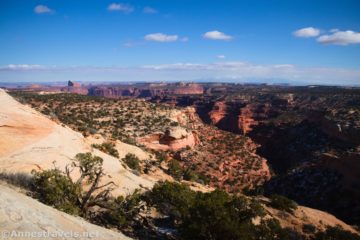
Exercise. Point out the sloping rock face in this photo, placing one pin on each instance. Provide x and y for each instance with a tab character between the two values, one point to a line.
172	140
30	141
20	214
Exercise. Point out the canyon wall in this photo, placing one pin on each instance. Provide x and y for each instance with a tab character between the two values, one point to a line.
147	91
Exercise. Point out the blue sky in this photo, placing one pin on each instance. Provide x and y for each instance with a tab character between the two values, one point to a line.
167	40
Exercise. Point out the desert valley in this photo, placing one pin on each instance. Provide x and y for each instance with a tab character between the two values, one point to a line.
291	153
180	120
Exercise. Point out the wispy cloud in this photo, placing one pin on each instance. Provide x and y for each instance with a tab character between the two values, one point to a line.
161	37
307	32
217	35
340	37
221	56
21	67
149	10
131	43
121	7
243	71
41	9
218	71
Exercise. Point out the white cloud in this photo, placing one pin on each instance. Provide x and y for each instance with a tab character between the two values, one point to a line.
120	7
340	38
216	35
221	56
40	9
307	32
149	10
160	37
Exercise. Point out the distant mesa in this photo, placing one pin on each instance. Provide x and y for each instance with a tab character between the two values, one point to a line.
74	87
73	84
36	86
150	90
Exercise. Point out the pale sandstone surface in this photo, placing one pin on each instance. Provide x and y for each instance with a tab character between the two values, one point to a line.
20	214
45	142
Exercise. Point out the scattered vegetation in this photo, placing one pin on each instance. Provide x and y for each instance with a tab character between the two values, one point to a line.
185	214
108	148
122	119
336	233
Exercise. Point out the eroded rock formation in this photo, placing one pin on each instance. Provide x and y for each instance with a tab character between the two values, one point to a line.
172	139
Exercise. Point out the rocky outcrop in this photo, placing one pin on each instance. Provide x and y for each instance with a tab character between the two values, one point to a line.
73	84
74	87
188	89
171	140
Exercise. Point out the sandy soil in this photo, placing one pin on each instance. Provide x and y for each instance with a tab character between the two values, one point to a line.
30	215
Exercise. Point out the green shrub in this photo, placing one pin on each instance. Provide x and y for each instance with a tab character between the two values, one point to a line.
190	175
160	156
108	148
217	215
282	203
175	169
336	233
172	199
122	210
270	229
308	228
56	189
214	215
132	161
